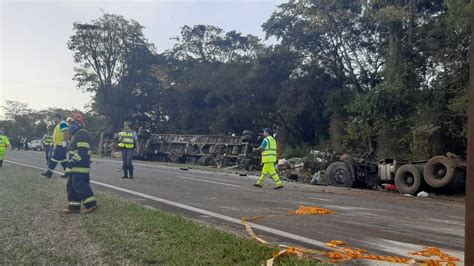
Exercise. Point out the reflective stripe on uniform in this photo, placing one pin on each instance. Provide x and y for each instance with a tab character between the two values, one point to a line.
126	140
80	170
61	144
74	203
83	145
58	161
89	199
76	157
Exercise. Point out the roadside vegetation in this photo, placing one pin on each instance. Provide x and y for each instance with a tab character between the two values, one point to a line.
33	230
384	77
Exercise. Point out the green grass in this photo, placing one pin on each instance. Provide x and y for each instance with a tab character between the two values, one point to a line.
33	230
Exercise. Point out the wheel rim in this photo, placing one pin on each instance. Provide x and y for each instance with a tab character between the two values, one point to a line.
341	176
408	179
439	171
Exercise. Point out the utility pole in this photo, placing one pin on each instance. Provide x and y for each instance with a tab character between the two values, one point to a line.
469	220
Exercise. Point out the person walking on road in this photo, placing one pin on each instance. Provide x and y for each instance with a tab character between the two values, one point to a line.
127	142
78	183
4	145
47	143
60	135
269	159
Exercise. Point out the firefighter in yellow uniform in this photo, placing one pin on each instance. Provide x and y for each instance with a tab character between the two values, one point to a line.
269	159
60	136
4	144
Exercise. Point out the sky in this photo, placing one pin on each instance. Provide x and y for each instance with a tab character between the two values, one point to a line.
37	68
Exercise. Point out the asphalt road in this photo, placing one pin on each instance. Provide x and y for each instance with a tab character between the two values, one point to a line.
384	223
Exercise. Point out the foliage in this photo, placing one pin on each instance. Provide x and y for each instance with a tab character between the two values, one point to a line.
387	77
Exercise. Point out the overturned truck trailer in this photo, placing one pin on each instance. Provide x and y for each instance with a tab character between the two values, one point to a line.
218	150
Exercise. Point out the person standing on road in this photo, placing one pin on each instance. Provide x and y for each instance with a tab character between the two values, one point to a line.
127	141
78	182
60	135
47	143
269	159
4	144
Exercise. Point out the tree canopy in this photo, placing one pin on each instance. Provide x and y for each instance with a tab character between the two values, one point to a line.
387	77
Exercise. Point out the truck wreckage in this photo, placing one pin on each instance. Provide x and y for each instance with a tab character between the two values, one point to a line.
440	173
219	150
409	177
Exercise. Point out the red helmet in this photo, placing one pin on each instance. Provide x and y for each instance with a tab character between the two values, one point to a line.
78	117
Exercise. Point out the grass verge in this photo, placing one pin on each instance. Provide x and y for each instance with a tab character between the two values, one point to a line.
33	230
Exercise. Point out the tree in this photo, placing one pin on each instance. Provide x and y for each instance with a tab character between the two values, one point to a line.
207	43
101	47
107	51
13	109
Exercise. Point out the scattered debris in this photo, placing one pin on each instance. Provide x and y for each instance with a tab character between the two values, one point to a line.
423	194
340	251
184	168
242	174
319	178
390	187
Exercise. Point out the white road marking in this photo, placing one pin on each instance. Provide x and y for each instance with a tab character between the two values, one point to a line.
394	247
327	200
200	211
207	181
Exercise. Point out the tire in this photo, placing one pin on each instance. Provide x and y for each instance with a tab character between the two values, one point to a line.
206	160
458	183
338	174
201	160
248	138
439	171
408	179
249	132
221	161
38	149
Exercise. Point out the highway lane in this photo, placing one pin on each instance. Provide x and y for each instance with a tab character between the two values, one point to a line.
384	223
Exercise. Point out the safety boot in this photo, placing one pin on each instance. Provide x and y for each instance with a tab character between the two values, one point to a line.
71	211
1	163
277	187
257	185
125	172
89	210
130	171
46	174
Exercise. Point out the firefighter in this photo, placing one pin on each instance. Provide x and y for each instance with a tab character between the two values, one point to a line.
269	159
4	144
127	142
60	136
47	143
78	183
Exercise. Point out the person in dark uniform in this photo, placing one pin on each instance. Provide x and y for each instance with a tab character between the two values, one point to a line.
78	183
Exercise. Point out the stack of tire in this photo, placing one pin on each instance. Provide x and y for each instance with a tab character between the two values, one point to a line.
249	136
440	172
